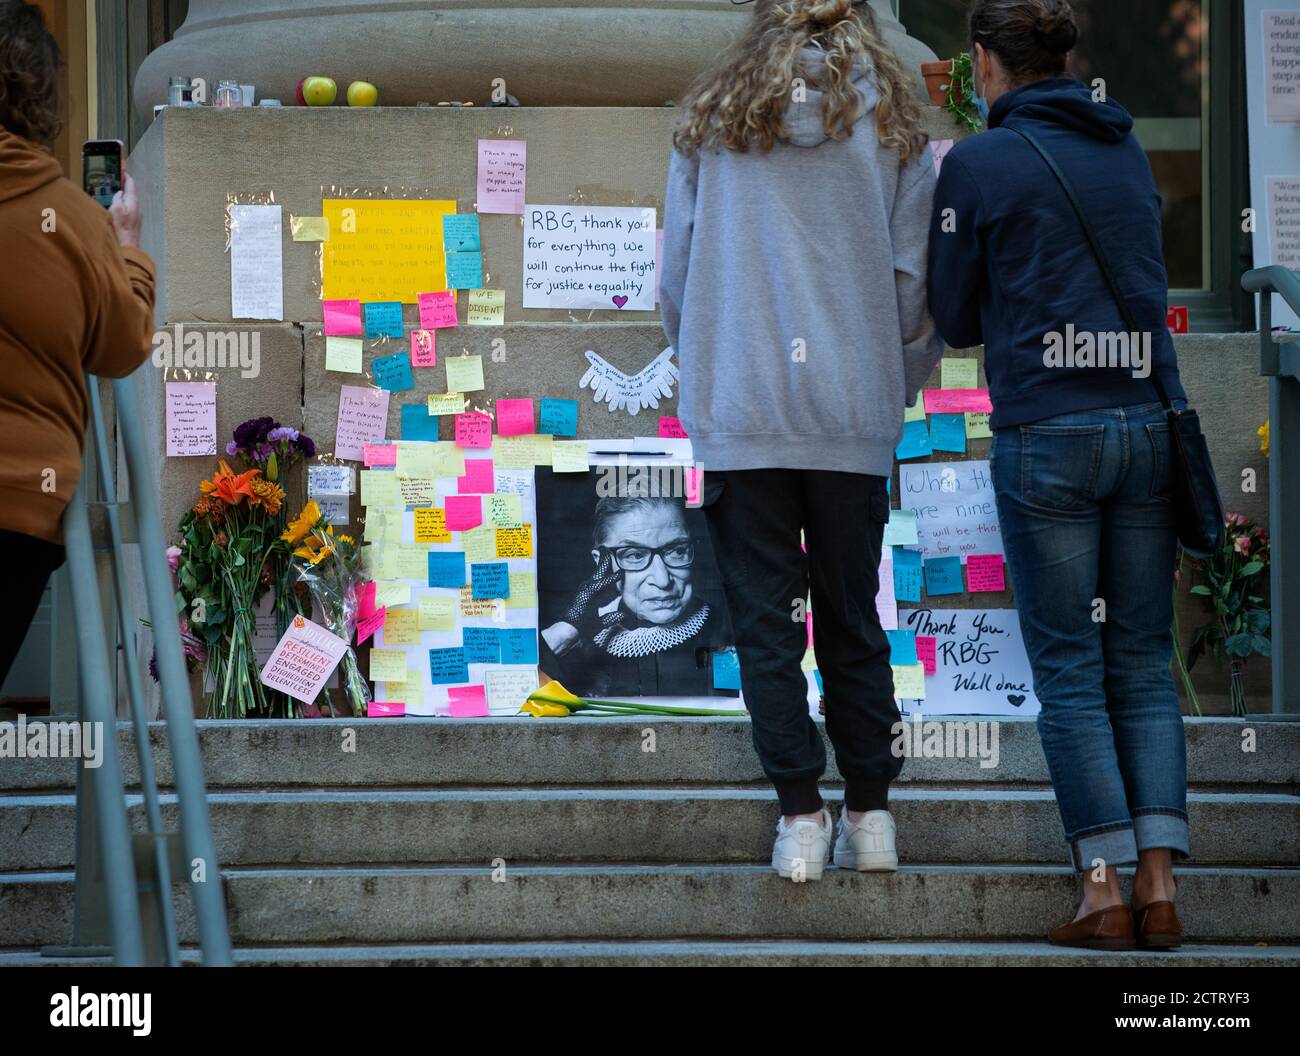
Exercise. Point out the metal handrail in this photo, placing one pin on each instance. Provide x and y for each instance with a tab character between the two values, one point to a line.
110	854
1280	363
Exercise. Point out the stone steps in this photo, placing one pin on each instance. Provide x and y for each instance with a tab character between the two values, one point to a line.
474	826
374	904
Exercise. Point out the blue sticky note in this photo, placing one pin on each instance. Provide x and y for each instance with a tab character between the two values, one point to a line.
394	373
726	670
948	432
446	568
559	417
518	645
482	645
818	675
489	579
901	528
383	319
907	574
943	576
465	271
460	233
915	441
448	666
902	648
418	423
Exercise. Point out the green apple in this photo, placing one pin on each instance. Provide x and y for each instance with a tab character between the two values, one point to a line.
362	93
319	91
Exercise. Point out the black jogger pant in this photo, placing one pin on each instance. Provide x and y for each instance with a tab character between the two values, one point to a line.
754	519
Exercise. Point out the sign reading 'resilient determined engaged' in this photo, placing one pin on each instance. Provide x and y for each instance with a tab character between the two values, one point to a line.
589	257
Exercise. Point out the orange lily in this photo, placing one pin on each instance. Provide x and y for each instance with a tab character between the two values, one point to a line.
229	486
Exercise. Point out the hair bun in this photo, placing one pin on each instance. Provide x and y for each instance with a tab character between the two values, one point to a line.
817	12
1055	27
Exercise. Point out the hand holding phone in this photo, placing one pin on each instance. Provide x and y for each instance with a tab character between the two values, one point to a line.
125	213
101	168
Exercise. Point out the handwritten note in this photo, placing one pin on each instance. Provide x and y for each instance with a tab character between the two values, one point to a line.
383	249
437	310
256	264
560	417
424	349
393	372
957	372
985	573
915	442
948	432
464	271
191	418
589	257
943	576
303	659
383	319
343	354
502	172
460	233
474	430
956	512
907	574
957	401
363	419
515	417
980	666
486	308
464	373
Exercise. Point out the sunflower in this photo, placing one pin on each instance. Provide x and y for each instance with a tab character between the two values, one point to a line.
302	524
317	546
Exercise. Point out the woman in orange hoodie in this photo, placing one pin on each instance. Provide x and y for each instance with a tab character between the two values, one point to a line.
77	299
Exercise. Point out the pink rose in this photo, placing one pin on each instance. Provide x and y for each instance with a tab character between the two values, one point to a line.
1242	545
173	558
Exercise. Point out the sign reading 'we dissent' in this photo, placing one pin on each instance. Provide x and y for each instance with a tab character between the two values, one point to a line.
589	257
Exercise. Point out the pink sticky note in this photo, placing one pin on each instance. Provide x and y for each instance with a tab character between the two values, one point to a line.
808	619
424	351
502	175
366	598
478	479
379	454
957	401
693	479
342	318
192	418
473	430
514	417
464	512
363	419
382	709
671	428
984	573
468	701
925	653
367	625
437	310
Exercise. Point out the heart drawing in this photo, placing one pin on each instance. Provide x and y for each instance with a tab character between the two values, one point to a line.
620	300
1016	699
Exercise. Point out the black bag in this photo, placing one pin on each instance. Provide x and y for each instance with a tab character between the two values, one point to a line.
1193	489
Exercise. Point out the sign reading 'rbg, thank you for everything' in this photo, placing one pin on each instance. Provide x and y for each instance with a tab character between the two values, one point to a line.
589	257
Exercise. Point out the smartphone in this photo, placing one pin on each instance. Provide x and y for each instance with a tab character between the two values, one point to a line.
101	168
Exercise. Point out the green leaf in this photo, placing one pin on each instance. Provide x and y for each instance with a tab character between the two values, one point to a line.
1201	590
1252	568
1262	645
1258	620
1240	645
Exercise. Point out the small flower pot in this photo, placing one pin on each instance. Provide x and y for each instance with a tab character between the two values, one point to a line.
937	75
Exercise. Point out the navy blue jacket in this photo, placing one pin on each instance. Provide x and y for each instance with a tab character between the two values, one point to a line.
1014	265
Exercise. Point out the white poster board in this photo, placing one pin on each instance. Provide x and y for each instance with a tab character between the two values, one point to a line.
956	513
587	256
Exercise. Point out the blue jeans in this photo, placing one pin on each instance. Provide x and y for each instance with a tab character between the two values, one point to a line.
1090	547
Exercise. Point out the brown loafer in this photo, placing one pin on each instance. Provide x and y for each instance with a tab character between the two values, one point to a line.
1107	929
1157	926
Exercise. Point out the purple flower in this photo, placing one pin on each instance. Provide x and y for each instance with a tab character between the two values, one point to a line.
232	449
173	558
253	431
306	445
282	432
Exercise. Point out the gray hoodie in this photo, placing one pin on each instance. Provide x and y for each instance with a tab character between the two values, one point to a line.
793	290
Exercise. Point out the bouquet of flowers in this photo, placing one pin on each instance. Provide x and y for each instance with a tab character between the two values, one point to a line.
331	566
228	540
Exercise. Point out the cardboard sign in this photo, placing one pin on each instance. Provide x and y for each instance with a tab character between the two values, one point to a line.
303	660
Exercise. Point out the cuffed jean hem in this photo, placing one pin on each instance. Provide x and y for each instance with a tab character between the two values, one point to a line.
1162	829
799	797
864	795
1116	846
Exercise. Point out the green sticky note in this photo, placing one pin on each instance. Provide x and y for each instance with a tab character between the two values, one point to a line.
464	373
343	354
916	412
957	373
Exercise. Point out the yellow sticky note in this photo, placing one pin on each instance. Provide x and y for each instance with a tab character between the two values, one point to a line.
521	452
416	460
809	661
502	511
417	491
375	562
412	691
515	542
448	460
916	412
446	403
523	591
392	594
309	228
387	665
977	425
486	308
957	373
909	681
431	525
379	487
471	606
569	456
411	561
464	374
401	627
479	544
343	354
383	249
383	526
437	612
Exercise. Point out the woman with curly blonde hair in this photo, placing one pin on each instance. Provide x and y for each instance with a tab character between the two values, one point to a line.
793	290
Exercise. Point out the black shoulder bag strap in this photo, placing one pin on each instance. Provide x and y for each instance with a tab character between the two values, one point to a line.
1125	312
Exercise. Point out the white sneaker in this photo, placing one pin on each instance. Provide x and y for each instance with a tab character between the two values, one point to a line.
803	848
867	845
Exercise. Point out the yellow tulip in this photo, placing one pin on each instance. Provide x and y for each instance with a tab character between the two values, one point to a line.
540	709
